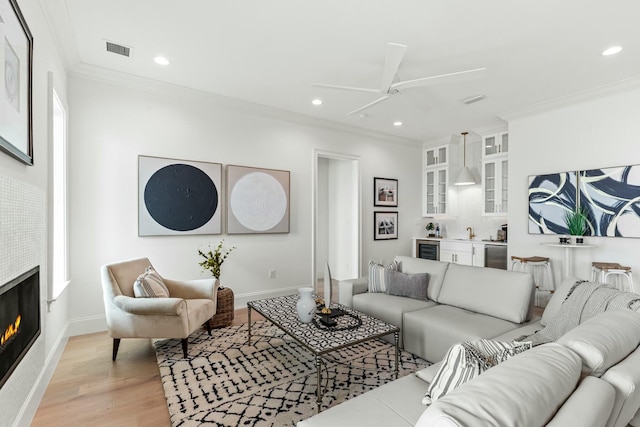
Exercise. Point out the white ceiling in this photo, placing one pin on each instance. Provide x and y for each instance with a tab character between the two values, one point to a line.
271	52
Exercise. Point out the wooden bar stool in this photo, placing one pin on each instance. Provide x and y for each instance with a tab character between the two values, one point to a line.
605	269
544	282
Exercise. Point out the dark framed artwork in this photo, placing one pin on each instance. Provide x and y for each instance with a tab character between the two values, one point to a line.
16	51
385	225
385	192
178	197
257	200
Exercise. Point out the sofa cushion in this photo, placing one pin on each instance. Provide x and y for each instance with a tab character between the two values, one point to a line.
407	285
524	390
377	276
557	299
504	294
389	308
604	340
466	360
436	270
430	332
150	285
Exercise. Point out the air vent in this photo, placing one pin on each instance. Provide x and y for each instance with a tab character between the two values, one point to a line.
119	49
472	99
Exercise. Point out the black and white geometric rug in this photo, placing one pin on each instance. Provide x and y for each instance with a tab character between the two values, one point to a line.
271	382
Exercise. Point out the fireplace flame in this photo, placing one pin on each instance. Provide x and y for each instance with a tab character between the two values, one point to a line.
11	331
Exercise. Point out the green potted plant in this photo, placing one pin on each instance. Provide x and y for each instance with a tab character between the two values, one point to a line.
430	227
213	259
576	222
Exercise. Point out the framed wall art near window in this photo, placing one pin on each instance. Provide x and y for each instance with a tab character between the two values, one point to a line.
385	192
385	225
16	56
257	200
178	197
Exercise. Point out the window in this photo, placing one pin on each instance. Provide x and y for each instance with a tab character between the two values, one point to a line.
58	277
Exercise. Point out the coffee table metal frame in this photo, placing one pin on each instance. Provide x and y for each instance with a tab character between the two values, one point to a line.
281	311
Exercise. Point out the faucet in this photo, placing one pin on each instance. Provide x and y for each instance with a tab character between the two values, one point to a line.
471	235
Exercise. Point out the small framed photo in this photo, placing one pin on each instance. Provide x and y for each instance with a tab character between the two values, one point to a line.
385	192
385	225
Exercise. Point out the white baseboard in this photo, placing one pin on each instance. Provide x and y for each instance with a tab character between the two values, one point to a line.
31	404
241	300
87	325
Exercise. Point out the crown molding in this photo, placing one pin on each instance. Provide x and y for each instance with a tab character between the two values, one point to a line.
101	74
572	99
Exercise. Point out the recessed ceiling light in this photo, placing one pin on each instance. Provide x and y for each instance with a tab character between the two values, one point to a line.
317	101
161	60
397	123
612	50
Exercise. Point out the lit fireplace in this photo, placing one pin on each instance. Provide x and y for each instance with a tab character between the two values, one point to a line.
19	320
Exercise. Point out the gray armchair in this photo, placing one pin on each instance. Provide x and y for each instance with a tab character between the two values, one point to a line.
190	305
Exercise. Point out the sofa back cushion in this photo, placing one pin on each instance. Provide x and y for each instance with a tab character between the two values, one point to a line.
527	389
436	270
503	294
604	340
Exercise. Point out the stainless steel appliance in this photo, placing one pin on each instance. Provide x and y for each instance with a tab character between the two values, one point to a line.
495	256
428	249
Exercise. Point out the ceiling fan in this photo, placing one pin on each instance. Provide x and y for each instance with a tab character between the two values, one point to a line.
395	53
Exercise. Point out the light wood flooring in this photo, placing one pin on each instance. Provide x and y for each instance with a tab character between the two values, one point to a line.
88	389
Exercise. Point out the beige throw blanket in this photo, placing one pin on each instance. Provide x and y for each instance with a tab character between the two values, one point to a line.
584	300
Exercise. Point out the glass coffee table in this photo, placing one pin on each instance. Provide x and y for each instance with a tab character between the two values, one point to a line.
353	327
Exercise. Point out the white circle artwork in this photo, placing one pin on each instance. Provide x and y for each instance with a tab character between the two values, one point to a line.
258	201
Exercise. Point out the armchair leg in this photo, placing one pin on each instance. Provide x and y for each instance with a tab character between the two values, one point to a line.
208	326
185	345
116	344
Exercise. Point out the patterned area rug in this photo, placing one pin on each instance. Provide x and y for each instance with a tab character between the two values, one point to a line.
271	382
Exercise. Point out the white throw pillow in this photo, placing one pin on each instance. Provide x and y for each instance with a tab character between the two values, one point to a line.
467	360
150	285
377	279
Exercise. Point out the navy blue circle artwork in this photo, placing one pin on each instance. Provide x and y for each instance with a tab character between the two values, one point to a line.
181	197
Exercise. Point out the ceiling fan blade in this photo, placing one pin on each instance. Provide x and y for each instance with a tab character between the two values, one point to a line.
442	78
369	105
395	53
355	89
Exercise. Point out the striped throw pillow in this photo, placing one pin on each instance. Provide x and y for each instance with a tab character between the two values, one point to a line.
467	360
150	285
377	278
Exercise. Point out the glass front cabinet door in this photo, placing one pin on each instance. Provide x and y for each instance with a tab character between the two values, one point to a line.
435	191
495	144
495	186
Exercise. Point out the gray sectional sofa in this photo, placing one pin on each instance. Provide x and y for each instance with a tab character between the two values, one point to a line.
589	377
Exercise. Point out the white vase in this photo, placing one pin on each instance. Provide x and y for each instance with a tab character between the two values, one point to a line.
306	305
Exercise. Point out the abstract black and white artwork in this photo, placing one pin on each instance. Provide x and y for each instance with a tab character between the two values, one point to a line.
178	197
258	200
550	198
610	198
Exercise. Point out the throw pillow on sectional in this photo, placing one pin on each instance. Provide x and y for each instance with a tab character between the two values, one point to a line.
150	285
377	277
407	285
467	360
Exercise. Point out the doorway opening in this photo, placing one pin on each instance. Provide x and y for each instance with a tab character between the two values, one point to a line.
336	217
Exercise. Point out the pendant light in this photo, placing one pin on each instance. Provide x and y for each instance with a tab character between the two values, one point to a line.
465	177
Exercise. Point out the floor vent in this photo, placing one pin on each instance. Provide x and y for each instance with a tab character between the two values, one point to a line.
119	49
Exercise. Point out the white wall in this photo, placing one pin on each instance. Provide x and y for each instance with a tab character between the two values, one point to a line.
114	123
595	134
23	231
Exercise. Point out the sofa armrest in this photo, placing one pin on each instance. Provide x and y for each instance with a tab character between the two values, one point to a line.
625	379
589	406
348	288
147	306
